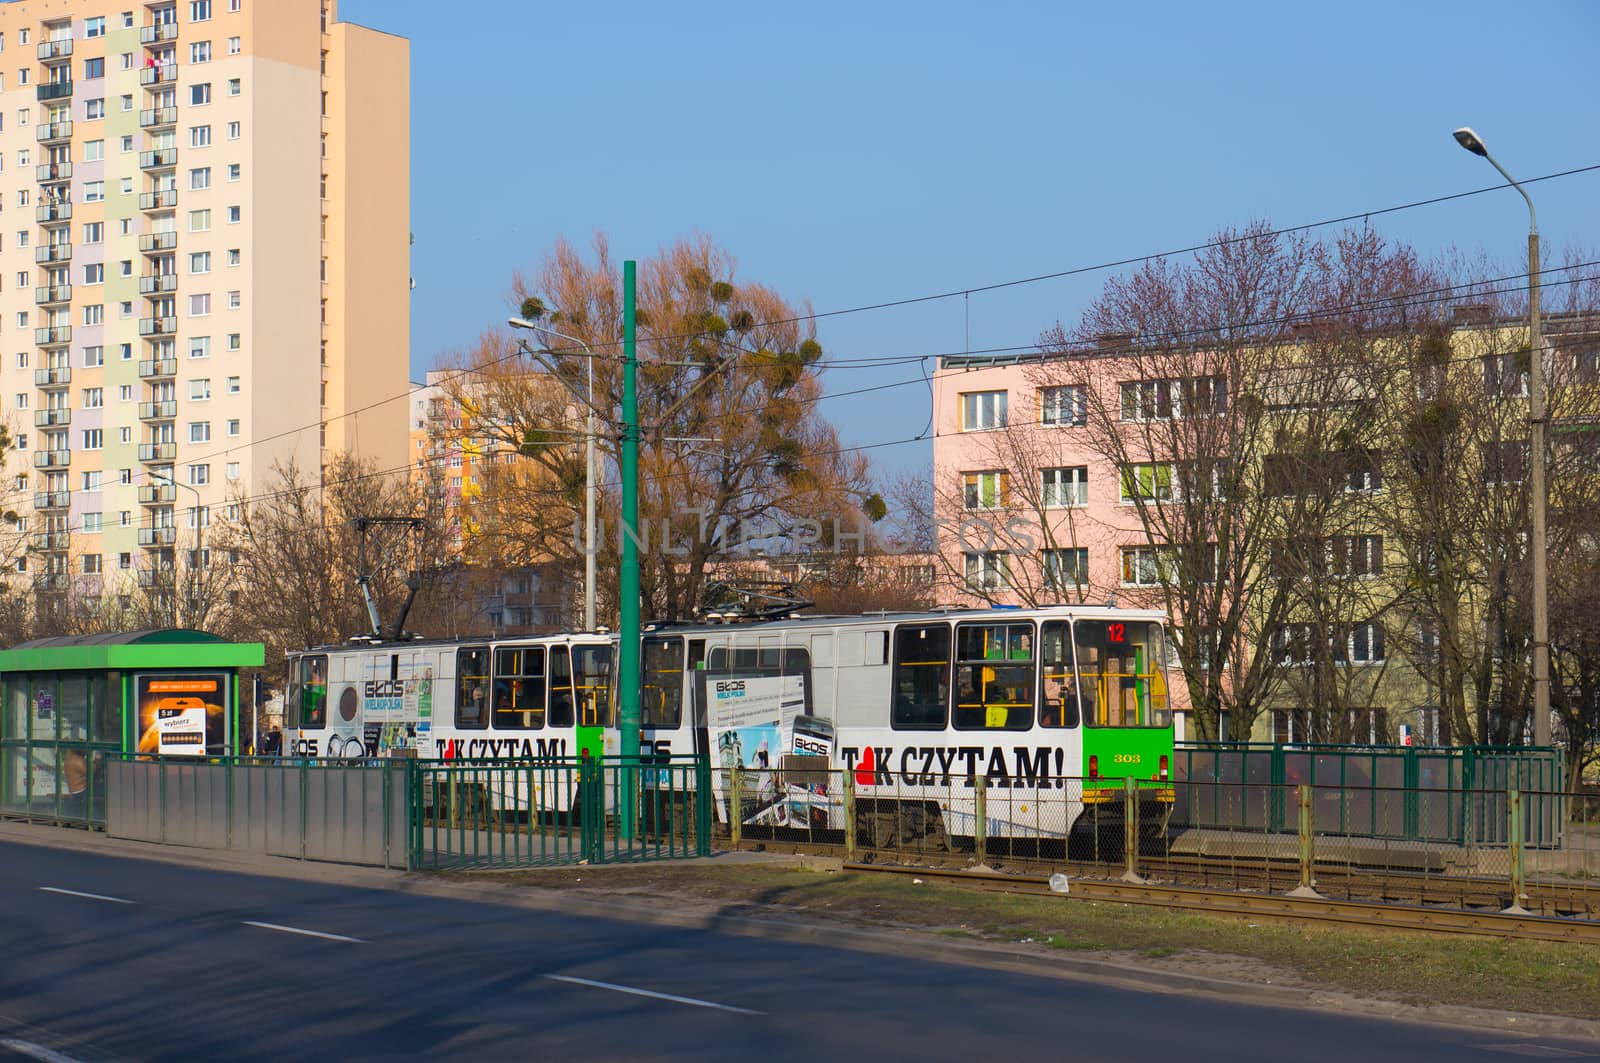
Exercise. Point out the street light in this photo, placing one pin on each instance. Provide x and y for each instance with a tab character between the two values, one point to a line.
589	547
1538	423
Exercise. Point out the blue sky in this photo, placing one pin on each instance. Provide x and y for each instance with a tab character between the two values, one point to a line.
857	153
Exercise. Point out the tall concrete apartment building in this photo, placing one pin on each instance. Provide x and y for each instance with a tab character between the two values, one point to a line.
204	264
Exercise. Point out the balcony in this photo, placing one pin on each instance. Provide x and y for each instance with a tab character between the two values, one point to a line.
158	451
157	536
57	418
45	254
162	159
166	199
159	33
155	243
158	326
58	377
54	541
158	411
52	171
157	368
54	293
52	582
158	284
53	336
52	459
158	117
52	499
53	131
165	74
50	212
54	90
61	49
156	495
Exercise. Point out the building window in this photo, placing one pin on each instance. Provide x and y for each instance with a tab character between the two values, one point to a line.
1064	487
94	315
1148	481
1141	566
94	150
234	215
235	86
233	130
1506	375
199	431
1356	555
235	341
200	95
200	136
199	475
233	300
1064	406
94	273
94	68
94	357
200	52
235	46
233	427
1066	569
1505	462
200	347
94	398
199	10
1363	644
233	256
199	221
234	389
200	304
985	490
94	27
200	388
93	110
233	470
200	262
987	571
93	439
93	522
200	177
91	563
981	410
233	171
91	481
93	192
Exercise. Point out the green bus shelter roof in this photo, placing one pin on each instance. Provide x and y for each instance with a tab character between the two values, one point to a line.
158	648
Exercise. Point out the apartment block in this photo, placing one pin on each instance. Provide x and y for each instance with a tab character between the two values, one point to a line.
204	266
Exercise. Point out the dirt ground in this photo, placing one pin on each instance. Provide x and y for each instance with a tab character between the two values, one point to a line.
1395	968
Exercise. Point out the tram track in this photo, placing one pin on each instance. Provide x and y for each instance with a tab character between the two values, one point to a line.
1425	918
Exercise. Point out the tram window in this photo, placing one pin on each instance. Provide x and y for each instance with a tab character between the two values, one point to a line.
1121	674
519	688
1058	707
472	688
921	677
591	668
663	682
291	697
994	677
561	701
309	693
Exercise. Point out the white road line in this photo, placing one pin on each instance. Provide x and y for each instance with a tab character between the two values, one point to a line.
691	1001
306	933
39	1052
91	896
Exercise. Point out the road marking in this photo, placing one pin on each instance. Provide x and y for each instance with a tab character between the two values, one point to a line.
691	1001
39	1052
91	896
306	933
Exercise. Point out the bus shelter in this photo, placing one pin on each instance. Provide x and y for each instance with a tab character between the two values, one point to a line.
69	703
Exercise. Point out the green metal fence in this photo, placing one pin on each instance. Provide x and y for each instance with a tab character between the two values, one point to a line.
1454	795
501	814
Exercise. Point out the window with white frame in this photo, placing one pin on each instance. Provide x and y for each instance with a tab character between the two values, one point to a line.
199	10
1064	407
93	439
1147	481
200	95
988	570
94	150
94	398
94	315
94	357
200	347
200	388
233	426
233	470
985	490
200	52
199	136
199	431
199	475
983	410
200	304
234	388
200	262
1143	566
1066	568
1065	486
200	177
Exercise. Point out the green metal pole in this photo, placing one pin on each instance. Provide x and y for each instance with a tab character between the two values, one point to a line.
628	694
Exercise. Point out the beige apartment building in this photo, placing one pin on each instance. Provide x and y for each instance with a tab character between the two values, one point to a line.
204	265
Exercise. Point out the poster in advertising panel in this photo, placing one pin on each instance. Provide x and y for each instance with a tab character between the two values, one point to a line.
182	715
757	723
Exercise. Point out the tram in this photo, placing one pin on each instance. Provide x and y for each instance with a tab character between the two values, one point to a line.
1055	708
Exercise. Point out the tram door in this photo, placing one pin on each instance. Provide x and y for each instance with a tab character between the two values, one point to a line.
591	688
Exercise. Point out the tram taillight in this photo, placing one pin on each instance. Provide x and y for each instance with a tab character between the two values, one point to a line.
1162	764
1094	766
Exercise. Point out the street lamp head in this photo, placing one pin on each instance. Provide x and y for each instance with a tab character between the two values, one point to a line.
1471	141
517	322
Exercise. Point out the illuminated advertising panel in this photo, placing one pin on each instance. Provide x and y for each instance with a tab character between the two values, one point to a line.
182	715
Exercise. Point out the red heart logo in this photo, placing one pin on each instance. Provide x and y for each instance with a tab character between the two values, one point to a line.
865	766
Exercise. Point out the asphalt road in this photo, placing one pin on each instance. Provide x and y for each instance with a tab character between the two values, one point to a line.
105	958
